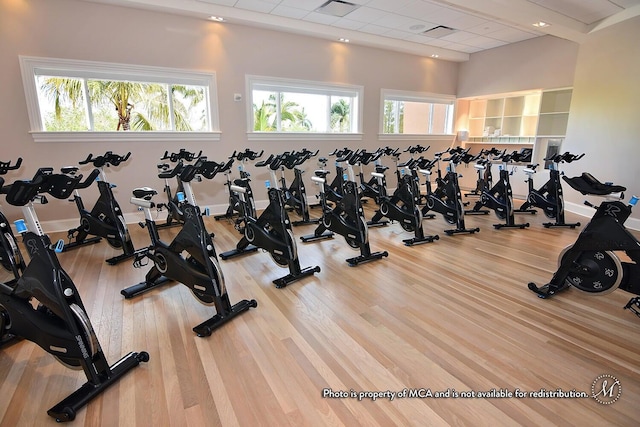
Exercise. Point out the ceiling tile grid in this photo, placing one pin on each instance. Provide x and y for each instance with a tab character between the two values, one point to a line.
470	25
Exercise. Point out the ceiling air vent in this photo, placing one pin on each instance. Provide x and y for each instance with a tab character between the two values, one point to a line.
337	8
439	31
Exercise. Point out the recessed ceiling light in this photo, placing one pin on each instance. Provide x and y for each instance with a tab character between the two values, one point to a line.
435	55
343	40
541	24
216	18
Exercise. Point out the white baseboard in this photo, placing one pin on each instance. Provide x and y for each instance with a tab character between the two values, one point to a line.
134	218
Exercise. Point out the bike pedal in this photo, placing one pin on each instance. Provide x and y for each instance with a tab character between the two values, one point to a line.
138	261
634	306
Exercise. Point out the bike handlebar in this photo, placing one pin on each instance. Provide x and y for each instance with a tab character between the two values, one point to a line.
6	166
248	154
108	159
183	154
87	182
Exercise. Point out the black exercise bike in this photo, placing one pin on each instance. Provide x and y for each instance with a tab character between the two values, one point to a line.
446	198
296	193
591	264
402	206
173	205
346	218
499	198
235	205
190	258
105	219
41	304
549	197
271	231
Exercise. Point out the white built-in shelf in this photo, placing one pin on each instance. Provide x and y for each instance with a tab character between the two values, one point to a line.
508	116
554	113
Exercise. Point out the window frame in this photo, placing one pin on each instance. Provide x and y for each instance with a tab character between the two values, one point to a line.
31	67
254	82
409	96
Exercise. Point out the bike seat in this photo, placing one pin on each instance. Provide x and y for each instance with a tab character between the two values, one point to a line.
588	184
322	173
69	169
241	182
145	193
59	185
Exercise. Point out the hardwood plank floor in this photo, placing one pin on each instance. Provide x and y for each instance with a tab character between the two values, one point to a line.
450	315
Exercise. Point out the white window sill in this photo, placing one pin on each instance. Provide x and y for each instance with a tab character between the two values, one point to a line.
414	137
304	136
129	136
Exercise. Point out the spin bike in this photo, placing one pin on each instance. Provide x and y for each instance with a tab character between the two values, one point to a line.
370	189
335	189
591	264
549	197
10	255
403	207
42	304
271	231
173	205
235	204
296	194
191	257
499	198
106	218
346	218
446	199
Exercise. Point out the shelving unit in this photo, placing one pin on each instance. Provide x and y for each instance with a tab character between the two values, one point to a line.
507	119
554	112
532	119
552	122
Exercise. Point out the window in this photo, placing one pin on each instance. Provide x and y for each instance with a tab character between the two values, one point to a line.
82	100
302	109
410	113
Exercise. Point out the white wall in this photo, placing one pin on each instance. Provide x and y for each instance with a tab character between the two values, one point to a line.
81	30
604	121
541	63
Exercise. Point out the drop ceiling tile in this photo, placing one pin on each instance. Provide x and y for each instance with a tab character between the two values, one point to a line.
487	27
289	12
366	14
348	24
321	18
511	35
303	4
389	5
436	42
422	9
397	34
255	5
467	21
374	29
458	36
398	22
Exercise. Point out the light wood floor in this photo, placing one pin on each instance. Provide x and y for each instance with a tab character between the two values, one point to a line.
453	314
